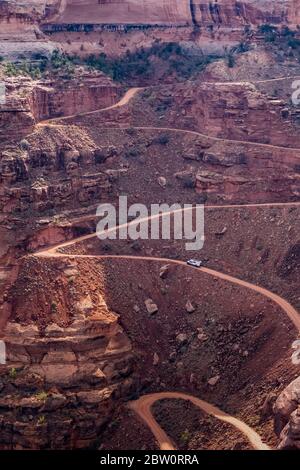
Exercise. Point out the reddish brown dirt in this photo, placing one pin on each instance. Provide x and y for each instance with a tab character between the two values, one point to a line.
225	338
191	429
126	432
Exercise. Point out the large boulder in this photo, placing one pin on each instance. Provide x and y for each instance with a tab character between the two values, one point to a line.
286	411
290	436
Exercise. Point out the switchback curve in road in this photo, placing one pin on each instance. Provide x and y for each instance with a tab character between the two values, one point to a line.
143	406
129	95
290	311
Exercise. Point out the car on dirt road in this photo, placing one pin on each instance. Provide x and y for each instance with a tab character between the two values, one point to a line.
194	262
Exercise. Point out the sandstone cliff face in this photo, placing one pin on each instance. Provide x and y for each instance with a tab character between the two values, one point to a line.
222	13
76	357
84	94
236	111
28	167
28	101
19	18
126	12
229	13
16	118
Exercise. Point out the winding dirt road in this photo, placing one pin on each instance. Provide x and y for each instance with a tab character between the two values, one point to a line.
220	139
143	406
122	102
131	93
290	311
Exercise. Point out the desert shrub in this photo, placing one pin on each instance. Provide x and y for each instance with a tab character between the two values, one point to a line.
185	437
294	43
241	48
131	131
24	144
231	60
297	168
269	31
189	182
162	139
141	62
132	153
42	396
41	420
23	68
13	373
267	28
287	32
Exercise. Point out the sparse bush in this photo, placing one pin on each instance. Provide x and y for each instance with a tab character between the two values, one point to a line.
189	182
24	145
131	131
41	420
132	153
267	28
185	437
269	32
13	373
294	43
42	396
231	60
162	139
10	70
241	48
287	32
297	168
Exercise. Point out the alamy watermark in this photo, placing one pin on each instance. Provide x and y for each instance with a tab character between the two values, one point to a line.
296	93
2	353
163	221
2	93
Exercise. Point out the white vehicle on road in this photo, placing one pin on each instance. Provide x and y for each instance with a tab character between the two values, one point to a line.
195	263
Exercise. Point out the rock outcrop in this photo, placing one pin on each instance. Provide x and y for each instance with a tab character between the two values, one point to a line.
229	13
78	358
29	101
222	13
287	416
126	12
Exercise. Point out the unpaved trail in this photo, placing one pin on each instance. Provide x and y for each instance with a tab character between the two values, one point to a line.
122	102
86	218
52	250
220	139
254	82
143	406
290	311
131	93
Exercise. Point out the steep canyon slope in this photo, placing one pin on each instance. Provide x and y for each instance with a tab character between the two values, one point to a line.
95	330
